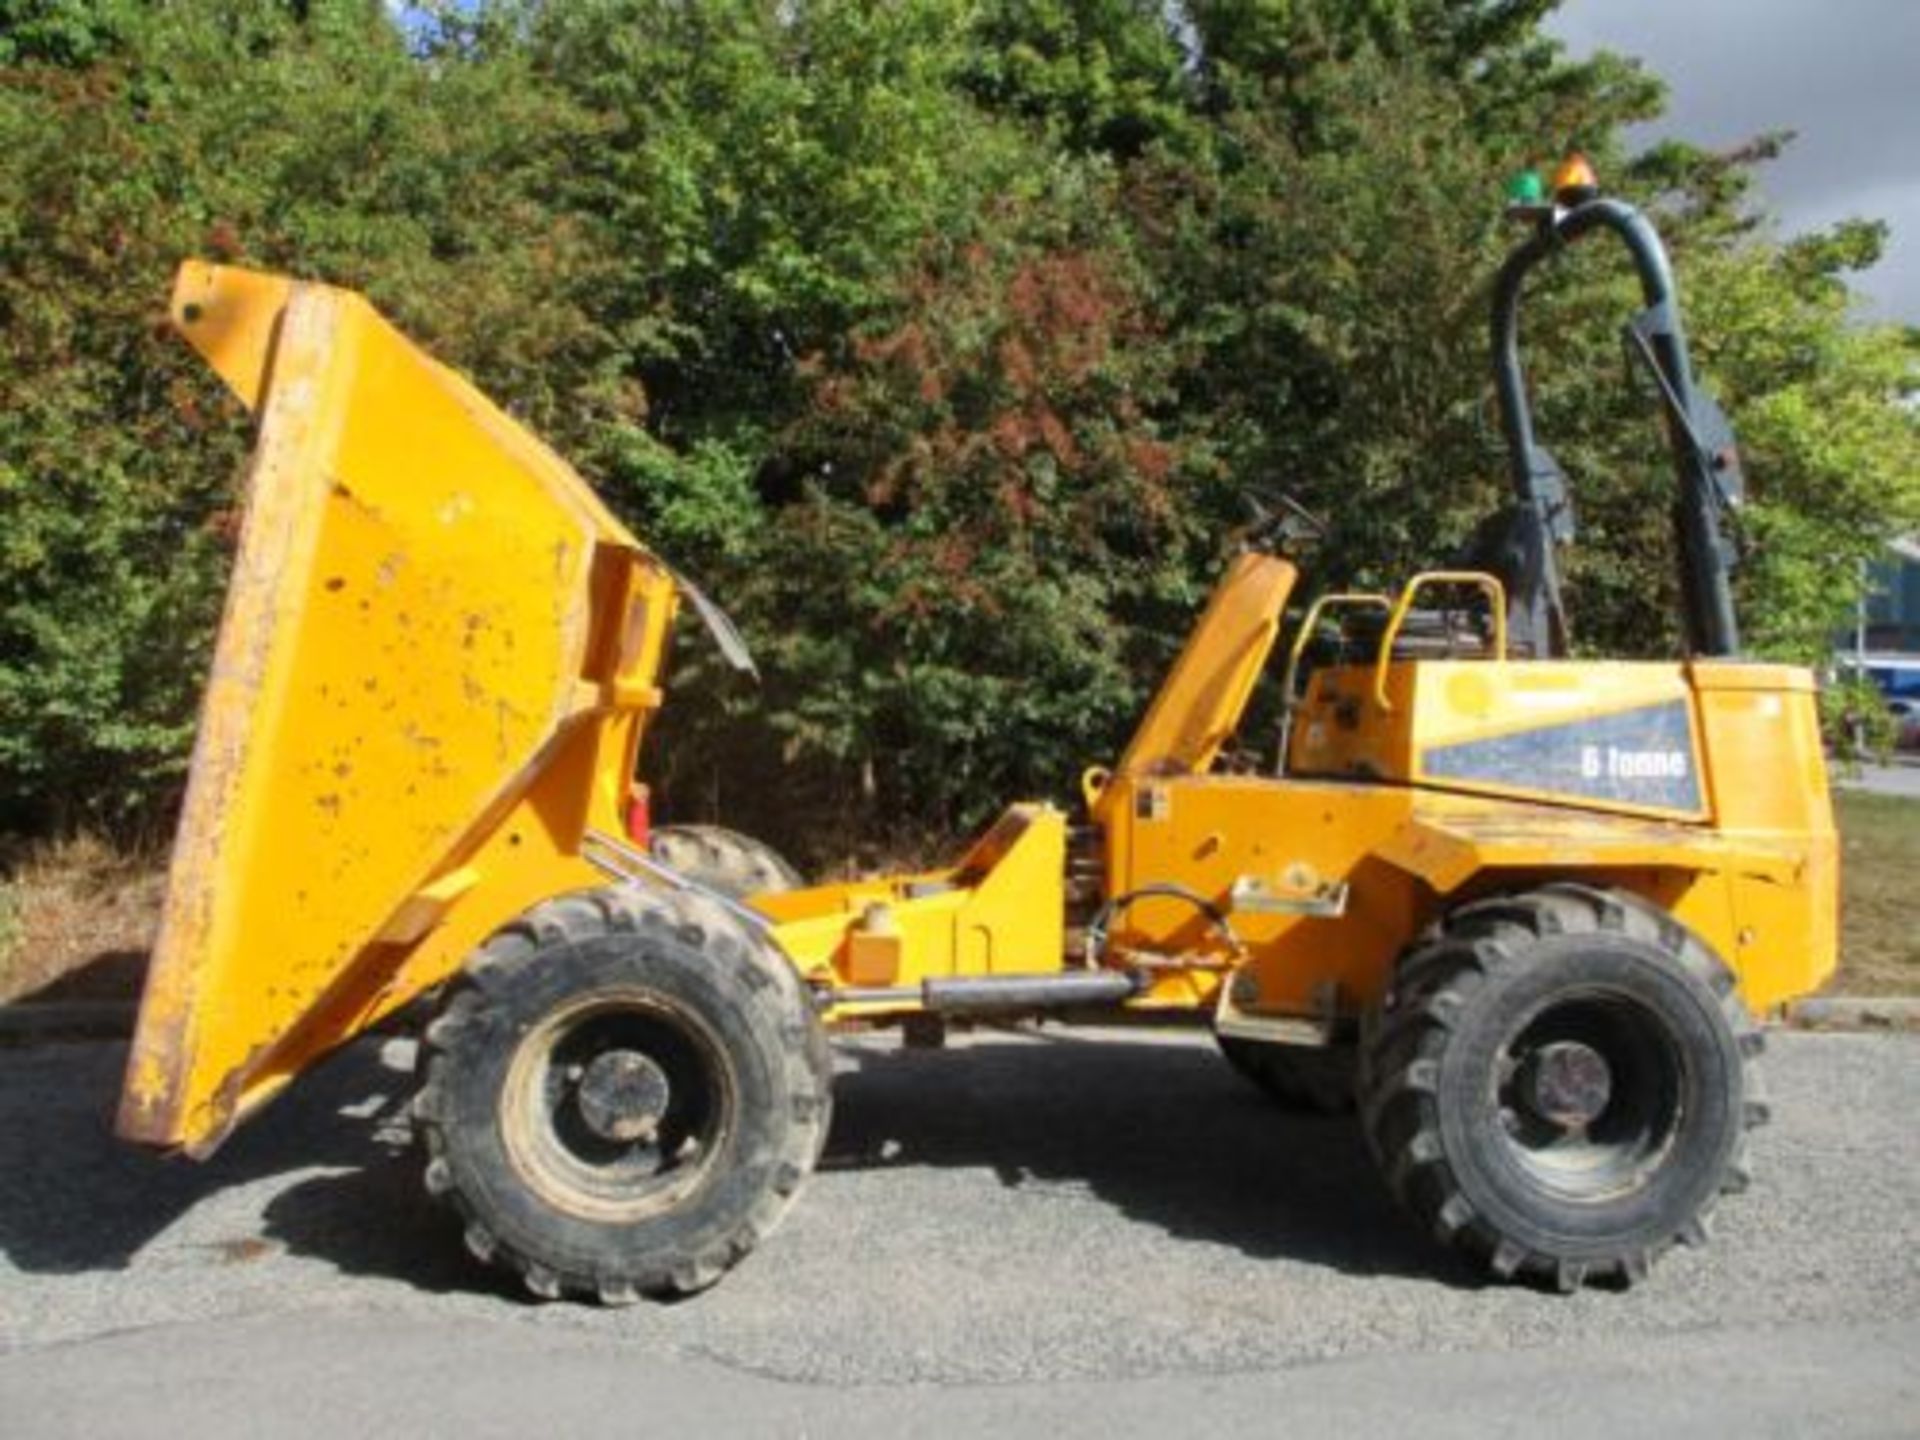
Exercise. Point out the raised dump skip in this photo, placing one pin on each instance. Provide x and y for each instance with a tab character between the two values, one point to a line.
430	616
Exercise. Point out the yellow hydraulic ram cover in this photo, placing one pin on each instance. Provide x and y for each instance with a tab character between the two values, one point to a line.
429	612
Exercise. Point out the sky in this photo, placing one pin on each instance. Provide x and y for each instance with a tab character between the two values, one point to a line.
1843	74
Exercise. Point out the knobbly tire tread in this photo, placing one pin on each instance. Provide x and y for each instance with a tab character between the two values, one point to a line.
723	860
1485	944
475	1010
1306	1079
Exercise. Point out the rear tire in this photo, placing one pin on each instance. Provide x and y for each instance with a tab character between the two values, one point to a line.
1314	1080
724	861
622	1093
1560	1084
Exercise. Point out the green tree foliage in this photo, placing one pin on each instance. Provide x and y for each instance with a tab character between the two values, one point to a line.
988	521
1106	75
240	131
945	339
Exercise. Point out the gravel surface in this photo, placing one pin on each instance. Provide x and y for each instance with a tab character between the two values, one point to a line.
1062	1206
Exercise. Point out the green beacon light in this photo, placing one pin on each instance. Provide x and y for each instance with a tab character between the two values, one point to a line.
1526	188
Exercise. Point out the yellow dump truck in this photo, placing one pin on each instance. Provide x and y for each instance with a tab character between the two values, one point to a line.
1519	909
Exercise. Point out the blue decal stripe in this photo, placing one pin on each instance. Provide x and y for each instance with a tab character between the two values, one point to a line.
1642	757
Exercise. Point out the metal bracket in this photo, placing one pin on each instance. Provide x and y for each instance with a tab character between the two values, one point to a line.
1705	424
1316	1031
623	862
1251	895
726	635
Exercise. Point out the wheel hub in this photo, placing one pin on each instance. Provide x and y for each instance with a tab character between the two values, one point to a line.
1568	1084
623	1096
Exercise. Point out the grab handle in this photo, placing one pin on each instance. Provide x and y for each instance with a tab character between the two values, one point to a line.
1487	585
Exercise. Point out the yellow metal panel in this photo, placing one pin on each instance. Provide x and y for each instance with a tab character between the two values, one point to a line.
1342	729
1198	705
1015	920
1765	763
1001	910
1762	899
420	592
1767	771
1206	832
1449	838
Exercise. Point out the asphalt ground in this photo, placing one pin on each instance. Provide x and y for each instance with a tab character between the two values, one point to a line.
1058	1233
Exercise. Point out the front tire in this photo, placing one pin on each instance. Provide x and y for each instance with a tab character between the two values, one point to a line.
1561	1083
622	1093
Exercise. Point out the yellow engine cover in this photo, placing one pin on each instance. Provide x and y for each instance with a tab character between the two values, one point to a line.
1701	785
1609	735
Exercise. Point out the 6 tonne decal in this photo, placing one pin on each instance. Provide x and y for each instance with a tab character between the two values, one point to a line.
1635	757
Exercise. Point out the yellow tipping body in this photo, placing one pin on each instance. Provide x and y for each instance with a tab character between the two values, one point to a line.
437	655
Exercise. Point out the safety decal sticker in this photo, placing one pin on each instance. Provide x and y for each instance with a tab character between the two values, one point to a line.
1635	757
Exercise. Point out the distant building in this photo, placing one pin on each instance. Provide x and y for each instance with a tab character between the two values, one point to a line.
1893	603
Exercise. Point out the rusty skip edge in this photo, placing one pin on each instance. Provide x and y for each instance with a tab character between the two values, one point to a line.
279	533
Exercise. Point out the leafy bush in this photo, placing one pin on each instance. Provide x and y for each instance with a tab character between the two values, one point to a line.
1855	721
945	340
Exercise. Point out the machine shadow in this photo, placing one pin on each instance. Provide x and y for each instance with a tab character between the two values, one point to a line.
1159	1128
77	1199
1162	1131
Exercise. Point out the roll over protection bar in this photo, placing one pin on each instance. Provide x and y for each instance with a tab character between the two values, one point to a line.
1705	460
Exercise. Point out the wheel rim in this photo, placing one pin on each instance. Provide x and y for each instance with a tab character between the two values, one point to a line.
616	1107
1590	1090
